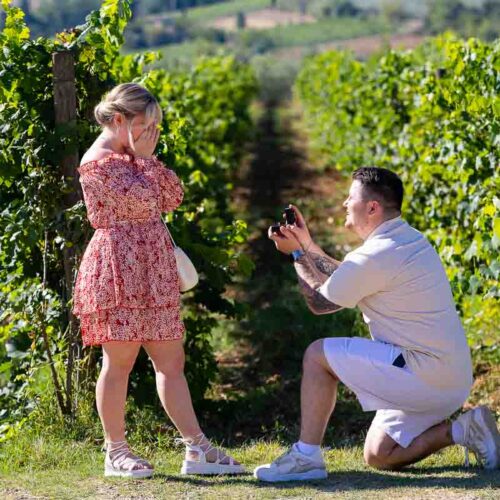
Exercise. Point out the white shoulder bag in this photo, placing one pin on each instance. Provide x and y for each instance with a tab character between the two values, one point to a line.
188	276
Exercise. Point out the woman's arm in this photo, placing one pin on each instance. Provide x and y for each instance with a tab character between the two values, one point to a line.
171	192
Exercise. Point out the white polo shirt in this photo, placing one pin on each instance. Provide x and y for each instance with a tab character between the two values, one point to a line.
397	280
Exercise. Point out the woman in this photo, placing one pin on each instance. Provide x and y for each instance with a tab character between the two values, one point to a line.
127	290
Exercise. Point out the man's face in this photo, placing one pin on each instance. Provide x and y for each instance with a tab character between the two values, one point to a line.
357	209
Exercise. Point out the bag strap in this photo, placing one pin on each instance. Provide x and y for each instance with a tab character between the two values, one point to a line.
169	234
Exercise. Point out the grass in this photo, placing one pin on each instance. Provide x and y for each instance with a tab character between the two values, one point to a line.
281	37
66	470
51	463
187	52
208	13
325	30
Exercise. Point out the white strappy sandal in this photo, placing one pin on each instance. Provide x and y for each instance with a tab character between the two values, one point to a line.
120	462
201	466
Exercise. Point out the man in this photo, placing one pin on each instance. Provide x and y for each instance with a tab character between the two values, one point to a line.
415	371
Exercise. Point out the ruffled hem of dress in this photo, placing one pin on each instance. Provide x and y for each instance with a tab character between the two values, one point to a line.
80	311
131	325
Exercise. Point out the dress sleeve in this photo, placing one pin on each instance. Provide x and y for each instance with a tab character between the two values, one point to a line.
93	187
171	192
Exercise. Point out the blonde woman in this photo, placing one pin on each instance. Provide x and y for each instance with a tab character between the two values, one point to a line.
127	290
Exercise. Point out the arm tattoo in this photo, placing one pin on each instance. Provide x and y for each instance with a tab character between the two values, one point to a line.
313	270
324	264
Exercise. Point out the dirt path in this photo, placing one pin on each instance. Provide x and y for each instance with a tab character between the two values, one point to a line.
274	174
260	370
258	392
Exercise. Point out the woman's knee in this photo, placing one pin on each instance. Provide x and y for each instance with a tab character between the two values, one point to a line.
118	359
170	366
118	365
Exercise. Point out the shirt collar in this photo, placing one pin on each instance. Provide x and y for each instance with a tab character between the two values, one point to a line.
385	227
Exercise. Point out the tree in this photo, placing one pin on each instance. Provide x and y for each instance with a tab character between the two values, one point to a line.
241	20
303	7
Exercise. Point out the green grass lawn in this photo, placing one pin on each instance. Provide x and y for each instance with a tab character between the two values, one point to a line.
74	470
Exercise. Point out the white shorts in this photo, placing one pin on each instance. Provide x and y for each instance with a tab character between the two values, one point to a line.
406	406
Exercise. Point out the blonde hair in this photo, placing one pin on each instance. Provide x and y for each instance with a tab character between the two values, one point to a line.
129	99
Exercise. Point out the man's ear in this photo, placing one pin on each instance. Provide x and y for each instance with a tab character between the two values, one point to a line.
374	207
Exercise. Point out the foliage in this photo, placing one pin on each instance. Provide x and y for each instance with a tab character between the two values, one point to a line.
205	121
480	19
433	116
275	75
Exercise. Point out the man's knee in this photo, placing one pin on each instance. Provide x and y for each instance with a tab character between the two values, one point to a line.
377	454
313	355
380	461
314	358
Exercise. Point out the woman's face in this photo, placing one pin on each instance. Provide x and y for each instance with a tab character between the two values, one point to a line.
129	130
138	124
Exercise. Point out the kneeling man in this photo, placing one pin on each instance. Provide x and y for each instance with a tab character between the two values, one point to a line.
415	371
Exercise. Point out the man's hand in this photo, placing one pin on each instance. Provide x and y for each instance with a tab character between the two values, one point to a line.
285	241
300	230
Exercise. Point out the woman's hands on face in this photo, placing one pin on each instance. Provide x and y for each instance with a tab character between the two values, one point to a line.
145	144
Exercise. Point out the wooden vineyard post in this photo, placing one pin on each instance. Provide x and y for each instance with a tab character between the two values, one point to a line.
65	121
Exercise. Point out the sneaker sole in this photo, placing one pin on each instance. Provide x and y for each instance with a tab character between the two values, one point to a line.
488	422
299	476
208	469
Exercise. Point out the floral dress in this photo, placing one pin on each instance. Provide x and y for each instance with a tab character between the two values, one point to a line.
127	287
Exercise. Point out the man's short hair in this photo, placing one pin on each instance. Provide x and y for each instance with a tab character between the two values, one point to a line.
382	185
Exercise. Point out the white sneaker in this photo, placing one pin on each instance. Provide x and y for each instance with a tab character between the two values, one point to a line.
292	466
481	436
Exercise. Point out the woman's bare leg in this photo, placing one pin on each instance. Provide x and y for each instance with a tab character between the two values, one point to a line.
111	388
168	361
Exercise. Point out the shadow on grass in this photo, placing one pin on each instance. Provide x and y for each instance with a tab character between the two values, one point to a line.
432	477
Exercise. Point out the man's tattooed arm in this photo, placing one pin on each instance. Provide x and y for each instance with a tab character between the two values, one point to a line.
313	270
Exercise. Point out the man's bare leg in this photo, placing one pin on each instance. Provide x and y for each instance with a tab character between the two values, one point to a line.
318	394
304	460
382	452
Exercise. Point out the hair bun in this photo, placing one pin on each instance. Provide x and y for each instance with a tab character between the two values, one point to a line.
129	99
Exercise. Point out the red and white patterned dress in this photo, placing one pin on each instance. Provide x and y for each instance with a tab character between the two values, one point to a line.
127	288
